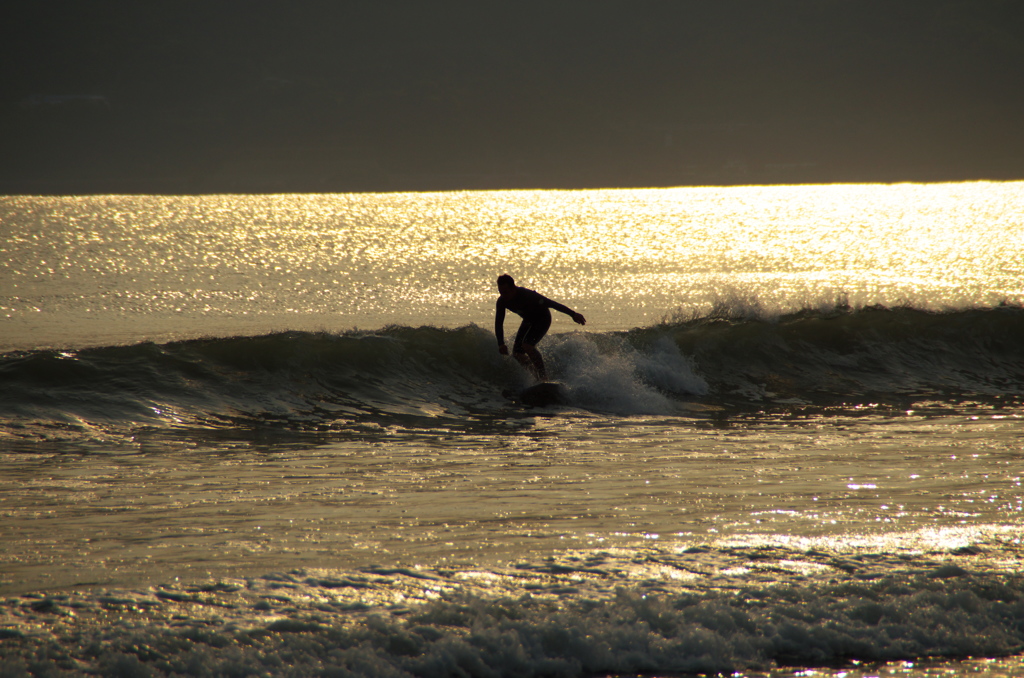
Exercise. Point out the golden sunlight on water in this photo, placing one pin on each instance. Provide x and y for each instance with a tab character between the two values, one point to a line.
116	269
868	480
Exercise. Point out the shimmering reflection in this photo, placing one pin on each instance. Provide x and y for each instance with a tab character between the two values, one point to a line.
333	504
892	487
112	269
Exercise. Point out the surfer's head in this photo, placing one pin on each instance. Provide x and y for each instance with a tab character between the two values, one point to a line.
506	284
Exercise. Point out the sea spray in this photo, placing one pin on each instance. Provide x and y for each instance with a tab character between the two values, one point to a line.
609	373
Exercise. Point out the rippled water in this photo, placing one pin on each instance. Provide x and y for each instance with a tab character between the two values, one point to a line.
197	507
255	432
100	270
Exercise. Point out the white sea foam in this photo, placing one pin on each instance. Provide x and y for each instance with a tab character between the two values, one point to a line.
599	614
615	376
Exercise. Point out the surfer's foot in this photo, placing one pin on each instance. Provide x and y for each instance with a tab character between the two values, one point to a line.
536	363
536	372
531	360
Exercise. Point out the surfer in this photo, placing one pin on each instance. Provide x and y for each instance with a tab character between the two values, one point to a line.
535	311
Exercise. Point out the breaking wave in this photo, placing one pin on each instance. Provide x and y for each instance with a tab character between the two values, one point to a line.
894	357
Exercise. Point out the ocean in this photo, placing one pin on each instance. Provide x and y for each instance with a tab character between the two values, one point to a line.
272	435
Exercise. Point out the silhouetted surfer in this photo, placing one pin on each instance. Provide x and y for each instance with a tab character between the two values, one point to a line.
535	311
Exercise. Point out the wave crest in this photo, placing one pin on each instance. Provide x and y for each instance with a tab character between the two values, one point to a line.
838	357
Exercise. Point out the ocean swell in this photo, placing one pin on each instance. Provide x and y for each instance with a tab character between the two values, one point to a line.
895	356
898	358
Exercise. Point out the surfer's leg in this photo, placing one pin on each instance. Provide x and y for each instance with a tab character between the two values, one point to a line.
529	334
524	352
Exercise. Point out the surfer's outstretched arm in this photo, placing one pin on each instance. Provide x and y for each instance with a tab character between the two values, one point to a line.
576	317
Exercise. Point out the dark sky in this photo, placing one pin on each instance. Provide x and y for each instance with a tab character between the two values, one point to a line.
252	96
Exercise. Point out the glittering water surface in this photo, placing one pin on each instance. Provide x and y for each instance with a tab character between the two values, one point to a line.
113	269
896	487
790	437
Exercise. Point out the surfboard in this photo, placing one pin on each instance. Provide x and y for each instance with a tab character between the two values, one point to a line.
543	395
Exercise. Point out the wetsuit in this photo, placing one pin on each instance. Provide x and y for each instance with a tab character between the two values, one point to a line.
535	311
